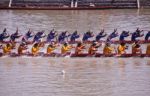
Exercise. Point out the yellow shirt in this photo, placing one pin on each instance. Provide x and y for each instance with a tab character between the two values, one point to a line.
121	49
50	50
148	49
65	49
35	50
6	49
107	50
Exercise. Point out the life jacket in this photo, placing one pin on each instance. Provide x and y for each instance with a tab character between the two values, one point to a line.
50	49
6	49
65	49
108	50
35	50
121	49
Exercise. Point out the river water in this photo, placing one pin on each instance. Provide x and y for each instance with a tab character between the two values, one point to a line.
37	76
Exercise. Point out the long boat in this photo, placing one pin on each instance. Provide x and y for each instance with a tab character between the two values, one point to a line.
41	54
88	42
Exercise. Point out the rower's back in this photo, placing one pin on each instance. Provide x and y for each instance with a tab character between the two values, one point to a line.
148	50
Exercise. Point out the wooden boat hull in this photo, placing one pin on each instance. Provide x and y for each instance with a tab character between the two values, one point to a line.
41	54
88	42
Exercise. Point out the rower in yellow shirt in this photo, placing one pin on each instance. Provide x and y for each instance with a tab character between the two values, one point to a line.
66	48
35	49
121	48
7	48
51	47
148	49
108	50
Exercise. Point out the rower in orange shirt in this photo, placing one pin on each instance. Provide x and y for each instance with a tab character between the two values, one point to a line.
21	48
136	49
93	48
79	48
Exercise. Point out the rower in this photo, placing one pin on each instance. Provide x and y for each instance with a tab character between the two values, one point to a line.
21	48
15	36
87	35
148	50
4	35
112	35
7	48
93	48
108	50
123	35
51	47
38	36
28	35
66	48
122	48
136	49
52	34
100	35
147	36
35	49
74	36
136	34
79	48
63	36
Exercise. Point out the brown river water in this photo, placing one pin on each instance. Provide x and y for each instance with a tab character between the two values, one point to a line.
111	76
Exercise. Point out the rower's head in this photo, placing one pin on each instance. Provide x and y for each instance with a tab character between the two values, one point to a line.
4	30
75	32
122	43
36	45
8	45
138	29
23	44
108	44
65	44
50	45
79	44
137	46
102	30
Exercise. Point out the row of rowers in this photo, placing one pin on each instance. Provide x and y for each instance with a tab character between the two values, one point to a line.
78	49
54	36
